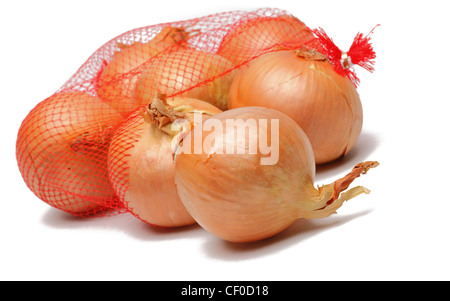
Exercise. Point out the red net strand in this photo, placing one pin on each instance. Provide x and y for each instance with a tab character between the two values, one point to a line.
360	53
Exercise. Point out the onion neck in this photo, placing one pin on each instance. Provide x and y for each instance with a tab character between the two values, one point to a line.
168	35
311	55
175	35
175	121
162	115
331	197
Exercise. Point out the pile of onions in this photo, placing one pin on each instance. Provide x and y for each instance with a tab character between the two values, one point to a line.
140	160
235	197
117	80
62	148
187	72
132	142
253	37
304	85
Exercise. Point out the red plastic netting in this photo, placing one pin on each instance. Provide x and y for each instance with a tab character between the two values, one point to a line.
63	145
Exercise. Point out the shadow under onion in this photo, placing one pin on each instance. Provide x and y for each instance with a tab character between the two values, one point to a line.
297	233
124	222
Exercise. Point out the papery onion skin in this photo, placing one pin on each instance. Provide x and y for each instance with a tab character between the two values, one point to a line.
141	167
189	73
253	37
61	152
305	87
237	199
117	80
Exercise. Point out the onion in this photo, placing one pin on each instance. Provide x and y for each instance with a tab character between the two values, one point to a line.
256	36
117	80
190	73
304	85
140	161
239	198
61	152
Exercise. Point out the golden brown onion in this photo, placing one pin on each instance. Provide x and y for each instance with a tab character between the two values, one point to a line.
141	164
256	36
62	148
238	198
189	73
304	85
118	79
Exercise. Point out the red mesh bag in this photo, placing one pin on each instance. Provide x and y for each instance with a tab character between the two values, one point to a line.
63	145
141	159
62	150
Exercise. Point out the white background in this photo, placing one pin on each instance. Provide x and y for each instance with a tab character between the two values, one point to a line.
398	232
